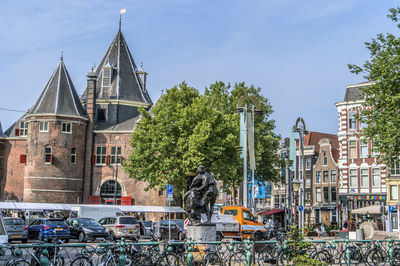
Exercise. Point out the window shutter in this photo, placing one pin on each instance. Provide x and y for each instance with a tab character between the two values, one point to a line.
108	159
93	159
51	158
17	132
22	158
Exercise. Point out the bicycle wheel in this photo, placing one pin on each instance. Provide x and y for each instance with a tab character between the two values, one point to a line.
58	261
237	259
168	260
112	260
212	259
18	262
323	256
81	261
377	257
143	260
266	256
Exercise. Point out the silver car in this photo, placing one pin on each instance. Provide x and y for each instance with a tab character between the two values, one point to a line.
16	229
121	226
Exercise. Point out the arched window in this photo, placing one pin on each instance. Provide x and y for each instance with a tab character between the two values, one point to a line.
107	191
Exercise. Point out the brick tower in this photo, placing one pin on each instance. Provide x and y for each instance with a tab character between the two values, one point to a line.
55	143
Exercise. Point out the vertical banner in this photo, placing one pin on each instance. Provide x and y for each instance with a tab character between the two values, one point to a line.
292	150
250	134
242	133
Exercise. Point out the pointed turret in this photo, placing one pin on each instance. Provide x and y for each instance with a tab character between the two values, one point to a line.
59	97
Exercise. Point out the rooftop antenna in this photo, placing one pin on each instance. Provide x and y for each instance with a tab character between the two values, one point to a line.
123	11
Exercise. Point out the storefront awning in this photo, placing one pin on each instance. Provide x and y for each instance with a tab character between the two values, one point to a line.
271	212
373	209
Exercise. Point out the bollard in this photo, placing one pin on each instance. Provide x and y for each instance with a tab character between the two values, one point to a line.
190	255
248	254
122	257
390	251
348	251
44	261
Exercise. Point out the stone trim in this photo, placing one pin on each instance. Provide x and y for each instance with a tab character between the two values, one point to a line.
55	177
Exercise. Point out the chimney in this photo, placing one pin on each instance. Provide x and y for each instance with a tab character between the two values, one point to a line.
142	76
91	95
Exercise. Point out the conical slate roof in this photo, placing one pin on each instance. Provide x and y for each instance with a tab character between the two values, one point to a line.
125	82
59	97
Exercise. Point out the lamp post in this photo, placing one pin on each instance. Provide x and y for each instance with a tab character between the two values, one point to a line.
296	186
300	127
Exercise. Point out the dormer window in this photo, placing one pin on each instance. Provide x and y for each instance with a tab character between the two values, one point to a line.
106	76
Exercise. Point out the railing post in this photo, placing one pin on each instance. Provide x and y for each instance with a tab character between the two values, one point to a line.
248	254
348	251
390	251
190	255
44	261
122	257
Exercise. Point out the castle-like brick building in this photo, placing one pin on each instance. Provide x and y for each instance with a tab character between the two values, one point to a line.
67	149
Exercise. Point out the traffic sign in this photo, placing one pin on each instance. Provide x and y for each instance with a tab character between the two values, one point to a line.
301	208
391	208
170	192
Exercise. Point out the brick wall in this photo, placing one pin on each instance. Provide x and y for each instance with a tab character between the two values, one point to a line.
13	182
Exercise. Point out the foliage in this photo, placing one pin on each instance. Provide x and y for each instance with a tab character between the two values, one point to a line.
383	118
298	248
185	129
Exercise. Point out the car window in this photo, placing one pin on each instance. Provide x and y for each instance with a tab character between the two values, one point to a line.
127	220
231	212
14	222
164	223
248	216
55	222
147	223
179	223
88	222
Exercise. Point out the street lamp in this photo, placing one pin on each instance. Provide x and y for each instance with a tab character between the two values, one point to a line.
296	185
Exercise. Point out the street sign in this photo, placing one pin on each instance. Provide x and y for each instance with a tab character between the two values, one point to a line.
301	208
391	208
170	192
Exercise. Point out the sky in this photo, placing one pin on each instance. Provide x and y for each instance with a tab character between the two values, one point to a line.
297	51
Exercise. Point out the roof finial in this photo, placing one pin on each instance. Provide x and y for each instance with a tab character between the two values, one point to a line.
120	17
62	56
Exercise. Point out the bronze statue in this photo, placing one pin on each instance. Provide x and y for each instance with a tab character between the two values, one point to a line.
201	196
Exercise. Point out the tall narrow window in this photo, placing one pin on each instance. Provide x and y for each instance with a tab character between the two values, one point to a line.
352	149
325	176
115	154
333	175
318	177
73	155
48	158
394	193
374	152
106	76
101	116
333	194
352	120
101	154
326	194
43	126
353	178
325	159
308	164
66	127
364	178
395	169
363	149
318	194
376	177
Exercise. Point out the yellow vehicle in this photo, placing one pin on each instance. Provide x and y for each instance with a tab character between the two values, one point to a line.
249	226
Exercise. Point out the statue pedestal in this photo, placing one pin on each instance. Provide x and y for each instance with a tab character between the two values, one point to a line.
202	232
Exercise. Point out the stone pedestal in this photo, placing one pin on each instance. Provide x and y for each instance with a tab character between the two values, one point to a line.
203	232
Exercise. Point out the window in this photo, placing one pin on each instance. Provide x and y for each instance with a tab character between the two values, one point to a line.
352	120
325	176
43	126
106	77
247	215
73	155
308	183
65	127
160	192
308	196
352	149
325	159
373	152
48	158
364	178
363	124
318	194
353	178
101	115
23	128
115	154
318	177
394	193
363	149
376	177
326	194
333	194
317	216
333	175
108	188
333	217
101	154
308	164
395	169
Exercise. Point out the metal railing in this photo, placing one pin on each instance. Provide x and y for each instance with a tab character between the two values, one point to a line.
248	252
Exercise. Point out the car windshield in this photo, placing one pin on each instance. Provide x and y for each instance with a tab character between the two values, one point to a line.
14	222
55	222
127	220
89	222
179	223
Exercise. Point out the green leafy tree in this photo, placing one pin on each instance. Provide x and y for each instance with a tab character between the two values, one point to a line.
383	96
185	129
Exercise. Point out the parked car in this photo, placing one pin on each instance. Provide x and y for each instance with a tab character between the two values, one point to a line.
49	228
86	228
3	232
121	226
16	229
146	229
177	229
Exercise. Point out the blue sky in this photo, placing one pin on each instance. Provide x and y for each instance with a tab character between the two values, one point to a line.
296	51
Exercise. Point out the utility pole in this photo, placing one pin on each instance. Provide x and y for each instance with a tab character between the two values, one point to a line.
245	178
